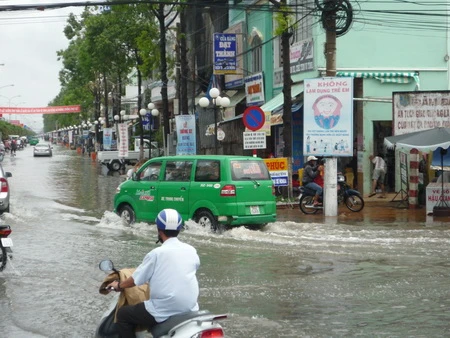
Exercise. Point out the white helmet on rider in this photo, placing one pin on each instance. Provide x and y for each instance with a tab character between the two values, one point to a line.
311	158
169	219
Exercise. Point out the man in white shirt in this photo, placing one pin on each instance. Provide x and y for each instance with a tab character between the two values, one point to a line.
170	270
379	173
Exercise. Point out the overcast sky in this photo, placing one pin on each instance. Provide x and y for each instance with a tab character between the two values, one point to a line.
29	41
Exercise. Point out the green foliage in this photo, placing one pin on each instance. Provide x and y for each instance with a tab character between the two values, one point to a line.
285	20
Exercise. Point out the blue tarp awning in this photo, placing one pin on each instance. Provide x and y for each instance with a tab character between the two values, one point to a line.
436	163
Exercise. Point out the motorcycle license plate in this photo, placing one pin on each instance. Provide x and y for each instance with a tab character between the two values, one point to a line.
7	242
254	210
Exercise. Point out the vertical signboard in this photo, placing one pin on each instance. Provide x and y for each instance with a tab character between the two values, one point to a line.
186	144
279	170
123	140
254	89
225	48
328	117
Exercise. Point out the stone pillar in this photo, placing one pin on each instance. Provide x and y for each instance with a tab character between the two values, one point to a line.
413	194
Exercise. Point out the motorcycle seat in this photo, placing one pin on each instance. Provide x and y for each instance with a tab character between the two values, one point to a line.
164	327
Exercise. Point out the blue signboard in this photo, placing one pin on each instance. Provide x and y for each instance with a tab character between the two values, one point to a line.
280	181
225	50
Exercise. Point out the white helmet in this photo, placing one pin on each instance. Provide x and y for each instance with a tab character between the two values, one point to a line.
311	158
169	219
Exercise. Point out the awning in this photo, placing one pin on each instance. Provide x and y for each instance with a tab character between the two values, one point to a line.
278	100
277	115
385	77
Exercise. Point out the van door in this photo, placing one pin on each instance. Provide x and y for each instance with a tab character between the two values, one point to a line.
144	191
174	187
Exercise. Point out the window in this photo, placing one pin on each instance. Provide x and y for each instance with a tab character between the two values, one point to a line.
178	171
249	170
207	171
151	172
256	54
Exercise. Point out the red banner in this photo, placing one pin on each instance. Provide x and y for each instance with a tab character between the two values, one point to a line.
43	110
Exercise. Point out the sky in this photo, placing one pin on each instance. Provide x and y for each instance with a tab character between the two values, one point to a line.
29	41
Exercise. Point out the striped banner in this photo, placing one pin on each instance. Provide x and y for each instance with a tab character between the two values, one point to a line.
43	110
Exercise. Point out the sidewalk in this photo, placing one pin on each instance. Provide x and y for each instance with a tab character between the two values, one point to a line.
377	211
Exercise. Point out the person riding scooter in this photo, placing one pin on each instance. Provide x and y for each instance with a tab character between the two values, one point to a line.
170	270
309	174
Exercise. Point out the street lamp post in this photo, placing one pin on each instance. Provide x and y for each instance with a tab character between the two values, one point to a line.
10	85
153	112
217	101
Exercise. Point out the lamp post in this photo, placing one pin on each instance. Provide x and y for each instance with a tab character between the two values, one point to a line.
217	101
153	113
10	85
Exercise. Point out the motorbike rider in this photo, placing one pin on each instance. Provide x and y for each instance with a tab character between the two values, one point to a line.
310	172
170	271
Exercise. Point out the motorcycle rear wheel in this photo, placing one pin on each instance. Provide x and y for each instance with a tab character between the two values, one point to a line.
354	203
305	205
3	258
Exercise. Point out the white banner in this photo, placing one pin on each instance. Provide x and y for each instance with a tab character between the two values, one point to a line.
123	140
186	136
328	117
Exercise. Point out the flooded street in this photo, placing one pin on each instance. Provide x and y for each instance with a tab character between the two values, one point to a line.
367	274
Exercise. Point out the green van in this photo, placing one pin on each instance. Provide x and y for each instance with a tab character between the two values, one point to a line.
216	191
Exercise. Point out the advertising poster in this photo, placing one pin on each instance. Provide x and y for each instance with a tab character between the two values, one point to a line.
328	117
186	144
107	138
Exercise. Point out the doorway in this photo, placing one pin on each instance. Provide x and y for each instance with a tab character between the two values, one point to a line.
382	129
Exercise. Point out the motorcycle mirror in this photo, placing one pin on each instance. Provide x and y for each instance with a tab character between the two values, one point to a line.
106	265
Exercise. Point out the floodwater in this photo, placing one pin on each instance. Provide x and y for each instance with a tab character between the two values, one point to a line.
369	274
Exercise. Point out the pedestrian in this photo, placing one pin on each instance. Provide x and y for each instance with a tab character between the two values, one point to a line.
379	173
170	271
13	147
310	172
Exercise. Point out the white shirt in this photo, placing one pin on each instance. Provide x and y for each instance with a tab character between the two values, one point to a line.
170	271
379	163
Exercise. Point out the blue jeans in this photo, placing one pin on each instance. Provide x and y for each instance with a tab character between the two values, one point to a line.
314	186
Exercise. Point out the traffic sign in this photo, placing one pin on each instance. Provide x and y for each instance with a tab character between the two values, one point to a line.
254	118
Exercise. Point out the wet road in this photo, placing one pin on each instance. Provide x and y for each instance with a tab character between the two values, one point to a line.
381	272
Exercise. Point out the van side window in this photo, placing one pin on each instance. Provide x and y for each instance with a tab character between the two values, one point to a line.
178	171
207	171
151	172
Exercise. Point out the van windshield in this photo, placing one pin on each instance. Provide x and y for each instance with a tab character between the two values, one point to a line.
249	170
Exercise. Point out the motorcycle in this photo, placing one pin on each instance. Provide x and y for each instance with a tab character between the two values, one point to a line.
5	245
350	197
196	324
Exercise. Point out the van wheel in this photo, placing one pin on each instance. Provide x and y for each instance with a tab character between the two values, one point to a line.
127	214
206	219
115	165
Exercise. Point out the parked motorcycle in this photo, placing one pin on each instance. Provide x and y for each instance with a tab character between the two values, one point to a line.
5	245
350	197
198	324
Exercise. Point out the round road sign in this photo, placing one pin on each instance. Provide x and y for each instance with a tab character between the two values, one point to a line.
254	118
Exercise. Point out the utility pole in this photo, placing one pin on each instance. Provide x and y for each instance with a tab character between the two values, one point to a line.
330	181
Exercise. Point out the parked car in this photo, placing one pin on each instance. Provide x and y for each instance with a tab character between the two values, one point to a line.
216	191
4	190
42	150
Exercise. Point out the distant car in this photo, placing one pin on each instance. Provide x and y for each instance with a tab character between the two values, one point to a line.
42	150
4	190
33	141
